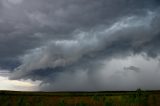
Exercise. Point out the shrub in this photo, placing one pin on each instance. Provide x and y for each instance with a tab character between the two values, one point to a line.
62	103
81	104
95	97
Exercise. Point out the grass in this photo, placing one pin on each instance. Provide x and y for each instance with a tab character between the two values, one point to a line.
130	98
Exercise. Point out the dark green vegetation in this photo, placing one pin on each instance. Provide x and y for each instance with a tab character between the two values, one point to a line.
119	98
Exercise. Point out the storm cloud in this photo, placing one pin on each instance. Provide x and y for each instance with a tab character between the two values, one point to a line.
68	44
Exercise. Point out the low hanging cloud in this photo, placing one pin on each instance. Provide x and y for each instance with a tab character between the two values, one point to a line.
59	42
111	76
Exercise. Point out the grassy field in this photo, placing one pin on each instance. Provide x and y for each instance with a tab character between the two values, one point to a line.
119	98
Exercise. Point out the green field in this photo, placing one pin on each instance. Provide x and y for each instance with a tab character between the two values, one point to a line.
109	98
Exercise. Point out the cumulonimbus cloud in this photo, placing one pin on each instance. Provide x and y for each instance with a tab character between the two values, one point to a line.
48	40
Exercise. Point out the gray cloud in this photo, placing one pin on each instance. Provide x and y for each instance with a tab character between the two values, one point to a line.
110	76
132	68
55	39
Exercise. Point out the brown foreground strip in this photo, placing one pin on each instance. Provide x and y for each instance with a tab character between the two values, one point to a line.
108	98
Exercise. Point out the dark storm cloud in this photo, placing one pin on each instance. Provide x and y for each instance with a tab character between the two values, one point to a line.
51	39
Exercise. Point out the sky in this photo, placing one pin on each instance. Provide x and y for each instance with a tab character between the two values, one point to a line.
79	45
